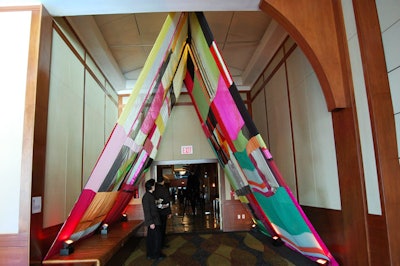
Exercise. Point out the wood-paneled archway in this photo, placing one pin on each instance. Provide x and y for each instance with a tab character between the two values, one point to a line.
355	237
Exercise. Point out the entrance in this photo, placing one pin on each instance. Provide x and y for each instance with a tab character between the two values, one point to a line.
194	194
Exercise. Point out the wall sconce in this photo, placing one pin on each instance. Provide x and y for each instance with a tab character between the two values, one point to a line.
124	217
67	248
182	172
104	229
277	241
322	261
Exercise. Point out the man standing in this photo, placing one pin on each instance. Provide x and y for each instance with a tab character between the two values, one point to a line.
152	221
193	189
163	200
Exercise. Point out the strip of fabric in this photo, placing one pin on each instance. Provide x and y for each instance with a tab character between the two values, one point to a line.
133	143
213	91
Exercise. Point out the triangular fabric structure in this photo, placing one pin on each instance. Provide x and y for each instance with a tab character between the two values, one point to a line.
185	51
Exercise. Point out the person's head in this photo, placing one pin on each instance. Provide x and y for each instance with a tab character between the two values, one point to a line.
149	184
160	179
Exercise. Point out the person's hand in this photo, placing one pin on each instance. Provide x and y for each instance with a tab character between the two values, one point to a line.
169	216
152	226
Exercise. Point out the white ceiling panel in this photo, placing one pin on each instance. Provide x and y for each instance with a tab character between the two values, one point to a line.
125	31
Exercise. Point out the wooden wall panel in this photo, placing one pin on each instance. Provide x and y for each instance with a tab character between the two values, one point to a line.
41	240
39	148
135	212
13	249
236	217
64	133
329	225
379	242
13	255
94	124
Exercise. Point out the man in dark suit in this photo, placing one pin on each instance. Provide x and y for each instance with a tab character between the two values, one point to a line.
152	221
163	199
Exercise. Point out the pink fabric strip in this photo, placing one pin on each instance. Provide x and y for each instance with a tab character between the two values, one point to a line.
267	154
226	107
137	167
73	220
107	158
154	110
189	82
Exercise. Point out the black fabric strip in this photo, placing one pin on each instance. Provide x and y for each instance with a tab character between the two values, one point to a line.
206	29
190	66
243	110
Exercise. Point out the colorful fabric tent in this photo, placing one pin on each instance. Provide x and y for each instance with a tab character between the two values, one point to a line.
185	51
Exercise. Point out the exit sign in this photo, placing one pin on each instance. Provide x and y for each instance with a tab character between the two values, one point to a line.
187	149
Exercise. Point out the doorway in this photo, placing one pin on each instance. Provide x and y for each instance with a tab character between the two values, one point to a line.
194	190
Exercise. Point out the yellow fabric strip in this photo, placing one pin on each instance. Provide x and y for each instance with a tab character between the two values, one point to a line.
155	55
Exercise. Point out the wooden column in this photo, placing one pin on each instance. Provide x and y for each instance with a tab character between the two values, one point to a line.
384	231
42	77
14	248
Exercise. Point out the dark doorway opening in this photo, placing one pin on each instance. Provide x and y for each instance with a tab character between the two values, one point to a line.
194	192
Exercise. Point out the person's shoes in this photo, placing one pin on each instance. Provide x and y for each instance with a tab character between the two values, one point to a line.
150	258
166	246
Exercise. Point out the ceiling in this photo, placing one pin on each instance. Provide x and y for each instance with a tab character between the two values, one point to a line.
120	34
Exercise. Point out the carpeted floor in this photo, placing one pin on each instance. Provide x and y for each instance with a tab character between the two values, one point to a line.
197	240
236	248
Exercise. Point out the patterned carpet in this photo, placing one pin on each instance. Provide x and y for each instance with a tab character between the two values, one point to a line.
237	248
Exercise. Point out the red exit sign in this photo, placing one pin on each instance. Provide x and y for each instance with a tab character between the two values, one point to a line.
187	149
